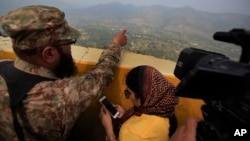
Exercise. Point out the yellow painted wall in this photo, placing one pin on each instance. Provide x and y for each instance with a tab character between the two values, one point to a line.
186	107
89	127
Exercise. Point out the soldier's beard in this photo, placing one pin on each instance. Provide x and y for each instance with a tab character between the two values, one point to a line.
66	66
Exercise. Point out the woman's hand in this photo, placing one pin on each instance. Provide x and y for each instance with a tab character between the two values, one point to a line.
105	118
107	123
120	109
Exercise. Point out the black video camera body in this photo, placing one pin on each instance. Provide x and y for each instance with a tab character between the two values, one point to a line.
224	85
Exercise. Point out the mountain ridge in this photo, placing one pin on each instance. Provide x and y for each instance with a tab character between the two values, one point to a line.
155	30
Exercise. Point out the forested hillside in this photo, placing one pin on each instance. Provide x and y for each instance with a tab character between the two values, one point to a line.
154	30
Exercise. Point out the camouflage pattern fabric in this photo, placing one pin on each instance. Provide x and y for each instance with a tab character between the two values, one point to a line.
36	26
52	107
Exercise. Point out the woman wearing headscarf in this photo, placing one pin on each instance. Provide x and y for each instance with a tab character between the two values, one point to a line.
154	100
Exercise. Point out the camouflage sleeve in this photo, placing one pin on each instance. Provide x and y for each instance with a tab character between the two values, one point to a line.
62	101
78	93
108	62
91	85
103	72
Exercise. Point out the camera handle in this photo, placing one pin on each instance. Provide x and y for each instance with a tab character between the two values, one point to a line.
239	37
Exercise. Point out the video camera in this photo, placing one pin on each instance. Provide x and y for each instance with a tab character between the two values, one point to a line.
223	85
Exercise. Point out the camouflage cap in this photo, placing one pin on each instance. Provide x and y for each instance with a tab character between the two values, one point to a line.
36	26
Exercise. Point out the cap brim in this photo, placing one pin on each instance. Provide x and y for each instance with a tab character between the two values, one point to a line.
71	33
2	32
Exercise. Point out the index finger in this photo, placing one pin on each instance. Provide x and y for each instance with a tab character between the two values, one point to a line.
124	31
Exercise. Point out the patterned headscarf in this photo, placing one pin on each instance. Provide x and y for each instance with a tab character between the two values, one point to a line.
156	93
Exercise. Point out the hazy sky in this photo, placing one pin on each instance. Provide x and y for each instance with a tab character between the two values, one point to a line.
234	6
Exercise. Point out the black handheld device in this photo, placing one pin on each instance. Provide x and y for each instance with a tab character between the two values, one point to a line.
111	109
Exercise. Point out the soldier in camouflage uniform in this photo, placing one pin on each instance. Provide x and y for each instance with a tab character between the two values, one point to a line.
41	39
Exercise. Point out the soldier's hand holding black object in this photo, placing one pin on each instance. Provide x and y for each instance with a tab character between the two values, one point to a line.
186	132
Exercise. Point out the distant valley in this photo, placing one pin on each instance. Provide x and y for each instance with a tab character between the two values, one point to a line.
155	30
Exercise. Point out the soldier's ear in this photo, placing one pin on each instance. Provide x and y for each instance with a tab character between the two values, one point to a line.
50	55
